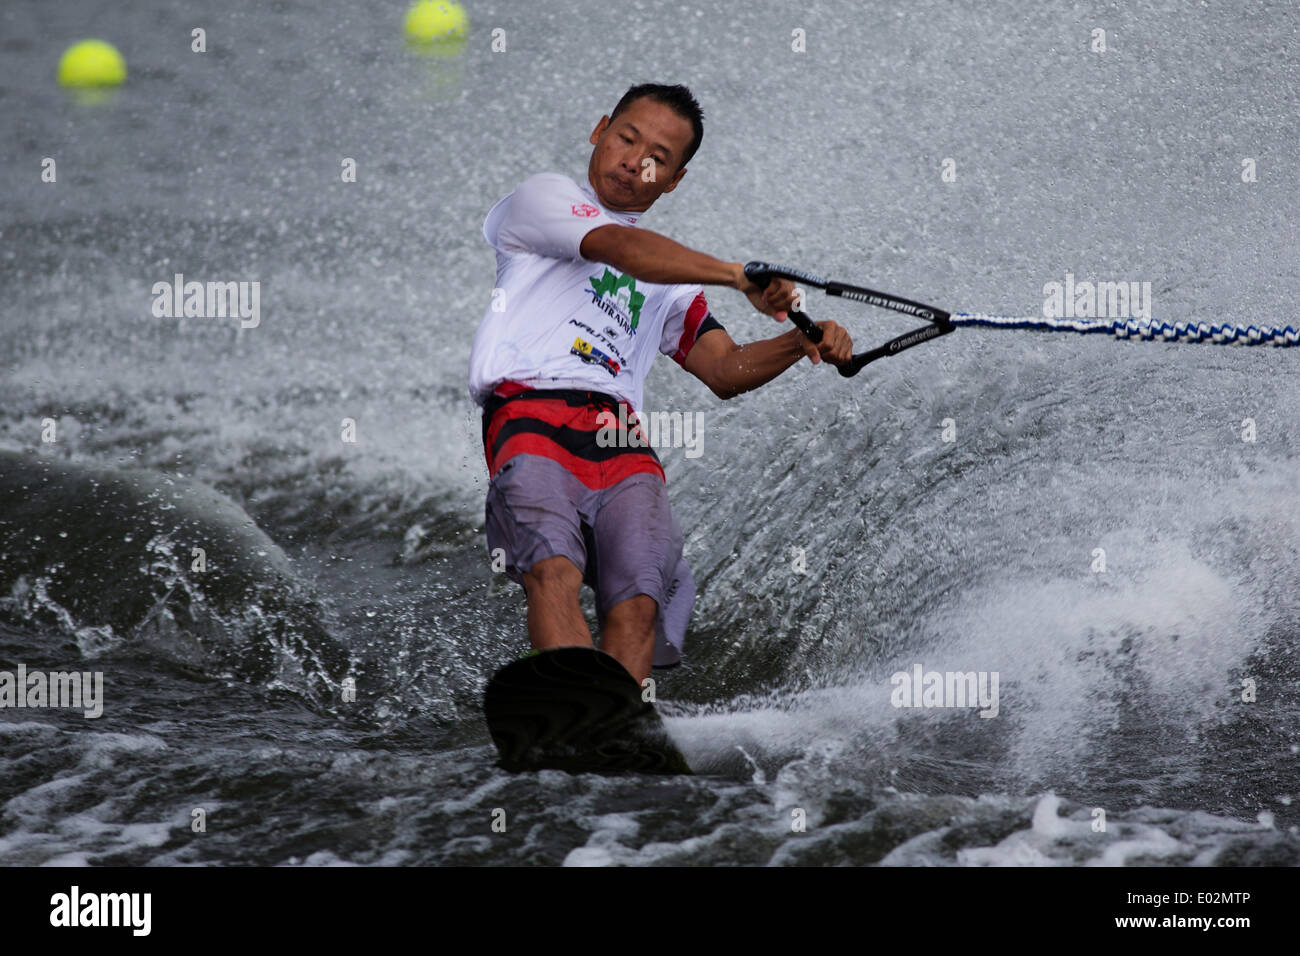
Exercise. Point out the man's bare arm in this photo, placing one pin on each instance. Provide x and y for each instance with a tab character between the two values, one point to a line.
653	257
729	369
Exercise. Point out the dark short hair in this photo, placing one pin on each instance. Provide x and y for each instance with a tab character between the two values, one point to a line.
679	99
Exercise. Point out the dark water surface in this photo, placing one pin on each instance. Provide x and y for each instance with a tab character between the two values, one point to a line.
1119	691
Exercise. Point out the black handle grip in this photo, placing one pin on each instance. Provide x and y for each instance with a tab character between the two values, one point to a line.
905	341
761	273
805	325
855	365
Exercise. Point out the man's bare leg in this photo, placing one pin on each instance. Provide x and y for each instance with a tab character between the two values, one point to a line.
629	634
554	615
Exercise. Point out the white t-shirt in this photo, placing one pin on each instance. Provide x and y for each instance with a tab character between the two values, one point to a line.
557	320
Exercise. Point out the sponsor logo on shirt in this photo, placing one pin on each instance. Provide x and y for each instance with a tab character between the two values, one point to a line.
608	339
584	210
594	356
616	294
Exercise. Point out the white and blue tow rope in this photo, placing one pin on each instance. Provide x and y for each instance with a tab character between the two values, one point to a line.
1226	334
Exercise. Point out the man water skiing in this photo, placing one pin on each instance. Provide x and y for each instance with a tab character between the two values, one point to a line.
584	299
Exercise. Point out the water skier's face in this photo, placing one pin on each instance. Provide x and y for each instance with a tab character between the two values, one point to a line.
637	155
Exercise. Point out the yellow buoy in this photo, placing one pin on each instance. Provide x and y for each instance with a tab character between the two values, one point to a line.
436	21
91	63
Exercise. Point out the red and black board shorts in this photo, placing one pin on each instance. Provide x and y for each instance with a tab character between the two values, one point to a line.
555	491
